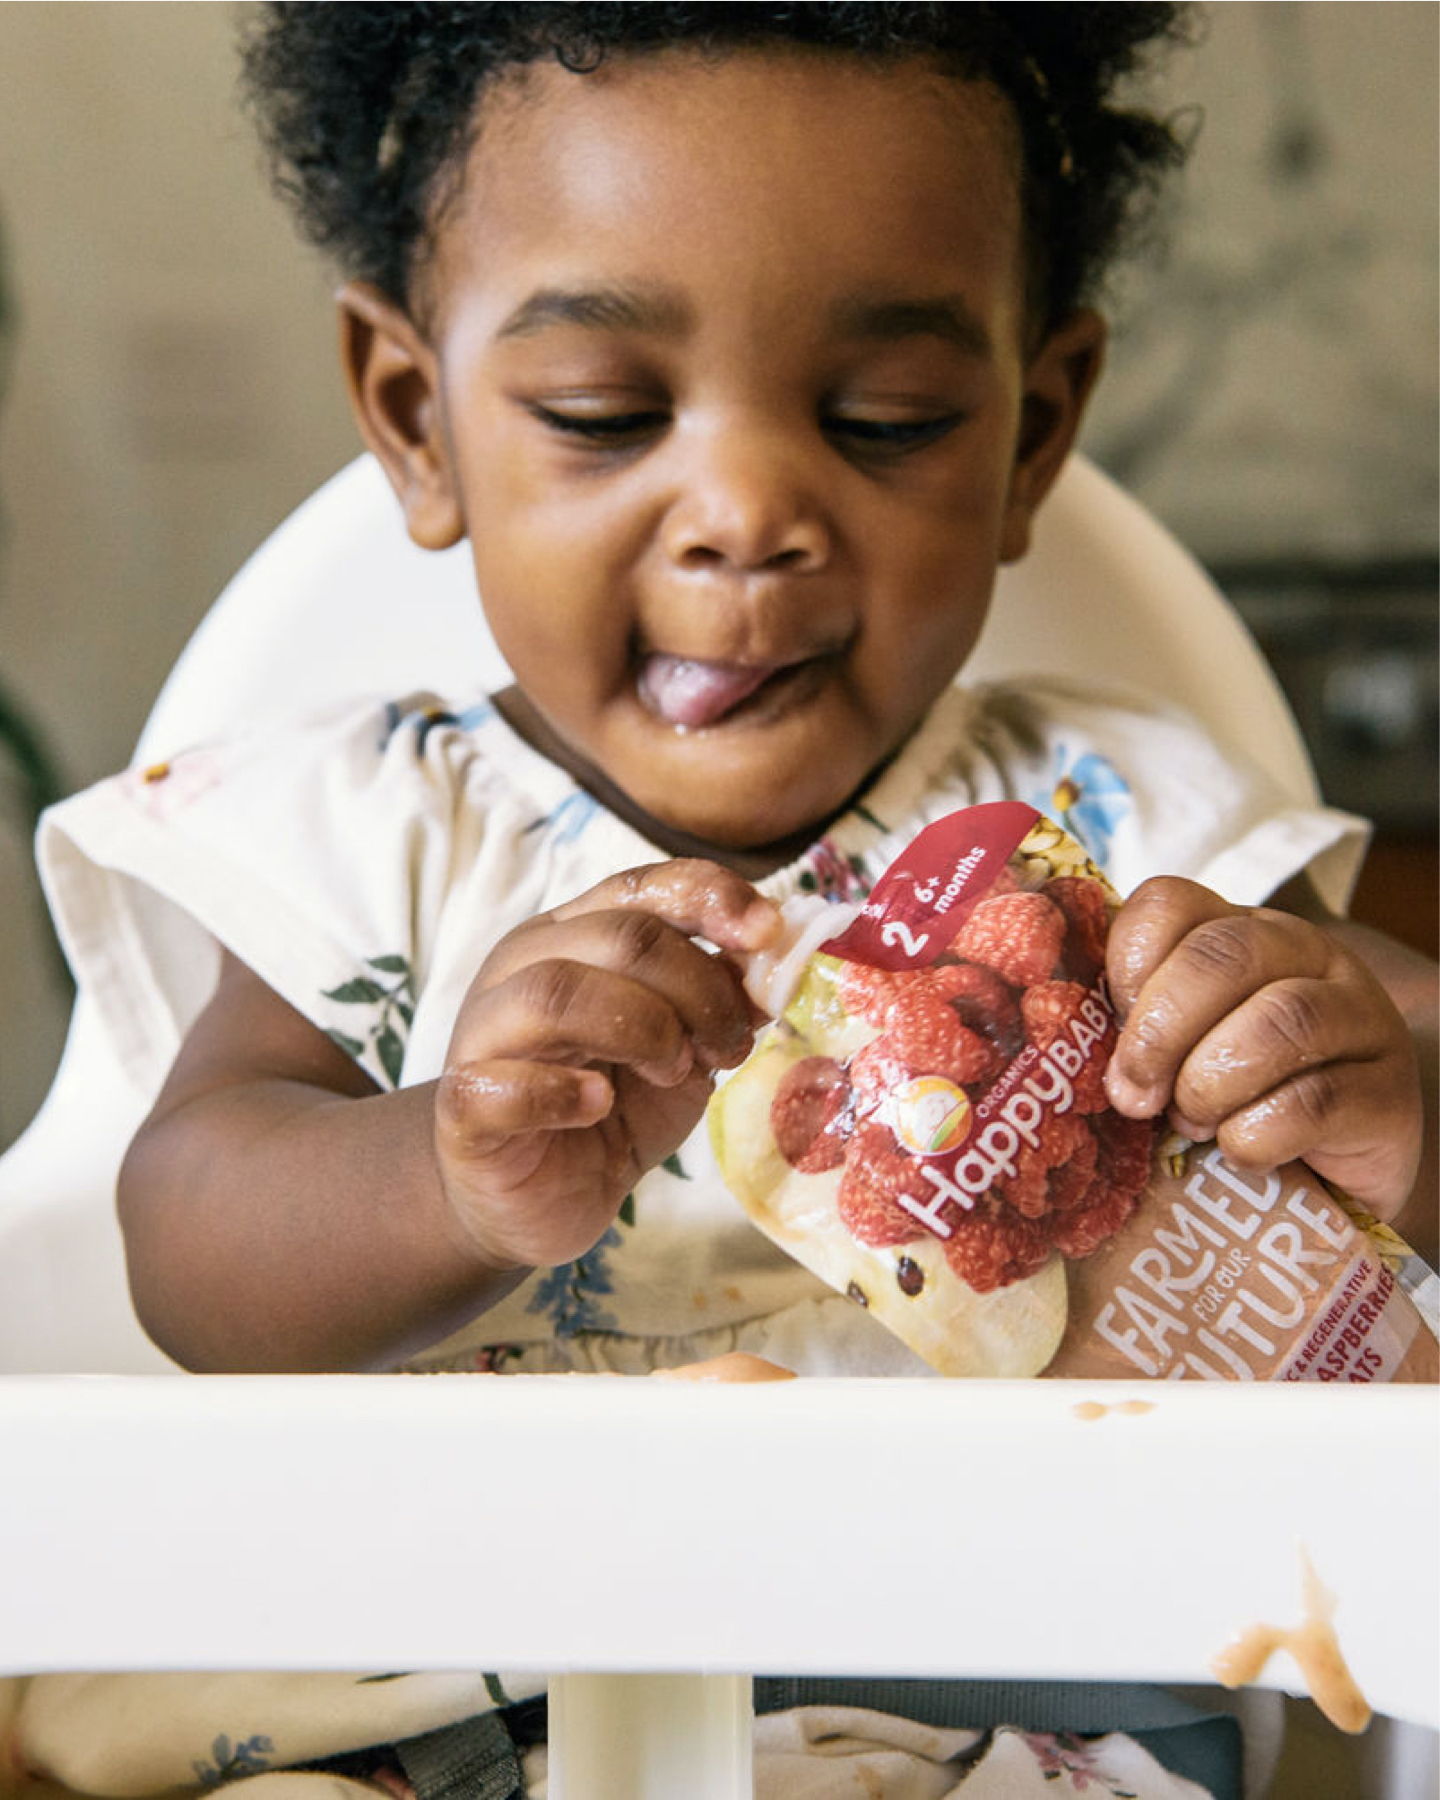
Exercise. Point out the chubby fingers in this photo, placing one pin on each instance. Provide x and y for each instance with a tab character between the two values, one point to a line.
1180	962
1247	1024
505	1097
614	989
616	977
698	898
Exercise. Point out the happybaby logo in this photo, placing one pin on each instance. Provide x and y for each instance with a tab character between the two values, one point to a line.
929	1115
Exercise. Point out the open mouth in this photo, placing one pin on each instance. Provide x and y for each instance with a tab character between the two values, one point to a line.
693	695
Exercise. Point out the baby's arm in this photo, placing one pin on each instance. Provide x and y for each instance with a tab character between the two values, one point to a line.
1284	1037
282	1213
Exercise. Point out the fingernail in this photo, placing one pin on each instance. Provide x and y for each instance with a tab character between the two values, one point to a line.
593	1094
1135	1099
760	921
727	1050
673	1072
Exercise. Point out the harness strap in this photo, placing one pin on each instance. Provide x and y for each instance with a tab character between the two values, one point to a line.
477	1759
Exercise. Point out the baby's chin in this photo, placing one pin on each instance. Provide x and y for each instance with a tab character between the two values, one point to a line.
753	845
750	794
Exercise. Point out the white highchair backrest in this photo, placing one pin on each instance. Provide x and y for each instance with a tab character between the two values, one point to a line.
338	601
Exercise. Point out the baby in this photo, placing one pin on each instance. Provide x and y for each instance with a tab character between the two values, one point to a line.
739	421
742	344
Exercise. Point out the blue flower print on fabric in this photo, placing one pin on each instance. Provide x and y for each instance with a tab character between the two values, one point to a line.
231	1761
1089	797
570	1294
423	720
570	818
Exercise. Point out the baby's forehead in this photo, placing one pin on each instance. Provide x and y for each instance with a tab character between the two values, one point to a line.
370	112
774	65
688	110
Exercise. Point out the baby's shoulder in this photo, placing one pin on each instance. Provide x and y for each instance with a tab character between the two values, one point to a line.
1049	723
364	751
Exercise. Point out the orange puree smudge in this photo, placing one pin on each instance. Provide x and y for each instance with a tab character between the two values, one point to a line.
738	1365
1316	1651
1097	1409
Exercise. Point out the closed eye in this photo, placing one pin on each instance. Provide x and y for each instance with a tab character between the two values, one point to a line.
890	436
856	433
609	430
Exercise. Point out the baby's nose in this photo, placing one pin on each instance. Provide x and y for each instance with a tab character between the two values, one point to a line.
747	502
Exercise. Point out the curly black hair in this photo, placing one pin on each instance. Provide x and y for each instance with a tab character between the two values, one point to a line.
368	110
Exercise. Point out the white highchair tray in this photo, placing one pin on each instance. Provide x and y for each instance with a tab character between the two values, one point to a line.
910	1527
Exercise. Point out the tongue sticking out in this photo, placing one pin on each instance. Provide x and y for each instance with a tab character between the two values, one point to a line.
696	694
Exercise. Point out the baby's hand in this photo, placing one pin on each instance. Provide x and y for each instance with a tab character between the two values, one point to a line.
1262	1031
584	1052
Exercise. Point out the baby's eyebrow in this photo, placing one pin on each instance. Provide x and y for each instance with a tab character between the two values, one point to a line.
946	317
600	308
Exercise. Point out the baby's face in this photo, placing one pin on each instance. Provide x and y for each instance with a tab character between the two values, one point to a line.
732	381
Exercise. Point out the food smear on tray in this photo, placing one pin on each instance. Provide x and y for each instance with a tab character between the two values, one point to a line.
925	1126
733	1366
1088	1411
1315	1649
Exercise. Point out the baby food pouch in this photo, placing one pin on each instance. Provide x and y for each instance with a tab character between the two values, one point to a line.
925	1127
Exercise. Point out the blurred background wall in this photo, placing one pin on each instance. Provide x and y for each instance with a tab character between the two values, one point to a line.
1272	393
171	393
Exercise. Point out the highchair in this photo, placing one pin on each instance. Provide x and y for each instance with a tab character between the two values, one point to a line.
827	1527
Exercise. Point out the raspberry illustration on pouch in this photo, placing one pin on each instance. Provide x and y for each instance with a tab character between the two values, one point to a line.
924	1125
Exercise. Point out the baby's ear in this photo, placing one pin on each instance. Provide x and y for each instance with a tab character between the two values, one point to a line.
392	375
1058	382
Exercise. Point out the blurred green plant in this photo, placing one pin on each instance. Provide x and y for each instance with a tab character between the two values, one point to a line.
29	774
34	780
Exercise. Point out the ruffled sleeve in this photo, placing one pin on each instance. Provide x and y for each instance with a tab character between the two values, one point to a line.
1149	793
317	854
